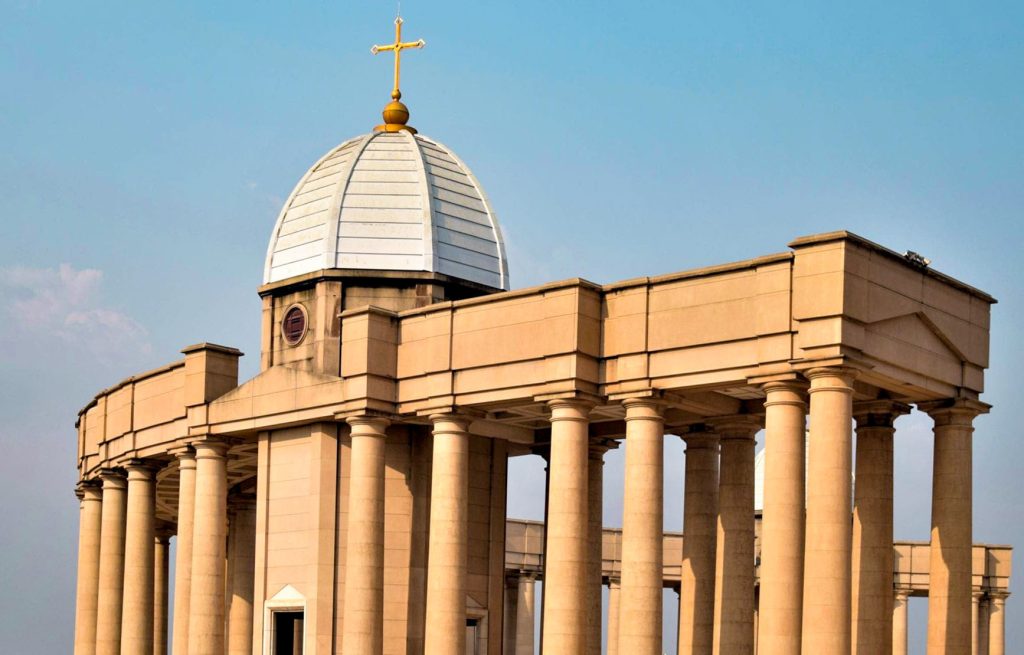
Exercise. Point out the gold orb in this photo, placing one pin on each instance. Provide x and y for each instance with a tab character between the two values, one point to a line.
396	113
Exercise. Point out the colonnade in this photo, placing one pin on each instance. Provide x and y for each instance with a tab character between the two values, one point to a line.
123	561
988	623
988	619
826	581
717	592
447	565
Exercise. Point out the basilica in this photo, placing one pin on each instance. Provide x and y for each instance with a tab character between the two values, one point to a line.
351	498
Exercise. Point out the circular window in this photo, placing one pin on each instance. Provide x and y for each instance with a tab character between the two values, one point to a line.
293	327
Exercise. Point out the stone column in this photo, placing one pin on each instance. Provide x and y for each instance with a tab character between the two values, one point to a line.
209	550
613	617
545	454
640	601
449	538
140	539
983	612
595	562
700	535
872	550
111	575
566	607
975	615
734	554
90	504
525	611
949	586
161	563
508	622
364	565
242	560
899	622
183	549
782	521
827	573
757	616
997	623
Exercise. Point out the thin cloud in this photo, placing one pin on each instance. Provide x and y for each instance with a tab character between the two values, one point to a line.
64	305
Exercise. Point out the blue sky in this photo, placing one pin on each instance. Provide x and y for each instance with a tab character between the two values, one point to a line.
146	150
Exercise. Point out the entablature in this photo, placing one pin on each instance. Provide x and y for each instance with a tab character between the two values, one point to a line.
704	341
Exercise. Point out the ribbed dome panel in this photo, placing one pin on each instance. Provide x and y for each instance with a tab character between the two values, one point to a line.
389	201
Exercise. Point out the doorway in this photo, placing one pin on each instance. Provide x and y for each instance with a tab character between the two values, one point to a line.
288	633
472	636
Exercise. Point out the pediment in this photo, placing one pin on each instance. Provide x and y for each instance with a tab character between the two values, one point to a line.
918	332
288	593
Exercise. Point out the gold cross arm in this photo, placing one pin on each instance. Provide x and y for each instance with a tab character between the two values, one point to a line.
397	47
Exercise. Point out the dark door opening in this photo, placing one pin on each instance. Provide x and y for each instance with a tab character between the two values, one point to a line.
472	634
288	633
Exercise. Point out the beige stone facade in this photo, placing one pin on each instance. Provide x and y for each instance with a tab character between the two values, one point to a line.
351	498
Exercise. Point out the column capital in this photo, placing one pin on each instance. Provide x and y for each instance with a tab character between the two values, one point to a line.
644	407
878	413
367	425
183	453
796	385
785	392
598	447
954	411
741	426
589	399
163	532
570	409
833	378
91	490
211	449
115	478
699	435
460	420
998	595
901	594
614	582
142	469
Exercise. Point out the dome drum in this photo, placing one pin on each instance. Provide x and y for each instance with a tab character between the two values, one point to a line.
321	296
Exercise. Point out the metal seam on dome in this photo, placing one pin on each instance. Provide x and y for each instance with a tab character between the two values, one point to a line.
271	247
334	211
491	216
430	258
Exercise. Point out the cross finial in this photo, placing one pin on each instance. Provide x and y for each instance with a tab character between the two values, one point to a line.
396	114
397	47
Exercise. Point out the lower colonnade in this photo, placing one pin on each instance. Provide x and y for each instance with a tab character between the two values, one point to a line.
738	575
524	570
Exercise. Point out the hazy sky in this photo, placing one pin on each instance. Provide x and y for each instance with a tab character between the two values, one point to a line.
146	150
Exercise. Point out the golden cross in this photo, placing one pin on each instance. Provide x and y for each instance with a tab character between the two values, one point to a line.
397	47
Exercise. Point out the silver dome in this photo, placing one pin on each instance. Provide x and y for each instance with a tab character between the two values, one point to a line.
389	201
